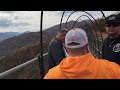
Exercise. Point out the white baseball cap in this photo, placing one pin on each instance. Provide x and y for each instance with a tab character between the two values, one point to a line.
78	36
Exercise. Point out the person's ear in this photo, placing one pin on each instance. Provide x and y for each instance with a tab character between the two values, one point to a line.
86	46
65	47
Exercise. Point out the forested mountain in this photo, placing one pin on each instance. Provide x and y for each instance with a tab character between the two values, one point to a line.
10	45
19	49
6	35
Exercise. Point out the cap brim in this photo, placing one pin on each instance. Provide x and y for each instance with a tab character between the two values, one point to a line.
112	22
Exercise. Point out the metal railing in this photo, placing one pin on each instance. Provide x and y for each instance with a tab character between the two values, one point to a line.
95	41
12	70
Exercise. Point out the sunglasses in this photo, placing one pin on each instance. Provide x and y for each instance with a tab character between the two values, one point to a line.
112	24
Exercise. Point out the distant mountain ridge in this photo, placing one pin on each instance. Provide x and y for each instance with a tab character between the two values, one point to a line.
6	35
12	44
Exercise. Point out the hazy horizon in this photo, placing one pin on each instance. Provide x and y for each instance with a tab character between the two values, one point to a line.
21	21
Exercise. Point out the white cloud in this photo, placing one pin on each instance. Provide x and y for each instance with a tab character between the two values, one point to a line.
52	18
21	21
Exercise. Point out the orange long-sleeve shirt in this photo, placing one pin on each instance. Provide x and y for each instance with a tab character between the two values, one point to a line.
84	67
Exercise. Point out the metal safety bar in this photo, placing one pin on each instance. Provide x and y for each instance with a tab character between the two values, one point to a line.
12	70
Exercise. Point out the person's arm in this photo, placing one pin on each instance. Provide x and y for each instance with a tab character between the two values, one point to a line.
115	70
103	51
104	48
58	53
48	76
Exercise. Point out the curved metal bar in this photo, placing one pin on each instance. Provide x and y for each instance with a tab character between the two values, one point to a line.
89	18
92	31
69	17
92	35
92	41
61	19
95	22
103	14
97	25
83	20
88	14
40	57
79	18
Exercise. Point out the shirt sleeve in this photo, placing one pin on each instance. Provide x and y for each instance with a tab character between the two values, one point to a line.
116	69
103	56
58	53
47	76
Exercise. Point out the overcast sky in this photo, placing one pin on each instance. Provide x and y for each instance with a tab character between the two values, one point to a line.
21	21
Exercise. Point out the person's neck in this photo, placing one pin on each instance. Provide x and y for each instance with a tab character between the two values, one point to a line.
57	38
79	54
113	36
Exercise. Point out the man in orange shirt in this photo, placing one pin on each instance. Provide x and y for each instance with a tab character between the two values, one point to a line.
80	64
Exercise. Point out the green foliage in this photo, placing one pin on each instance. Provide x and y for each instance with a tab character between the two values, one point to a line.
22	55
24	48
